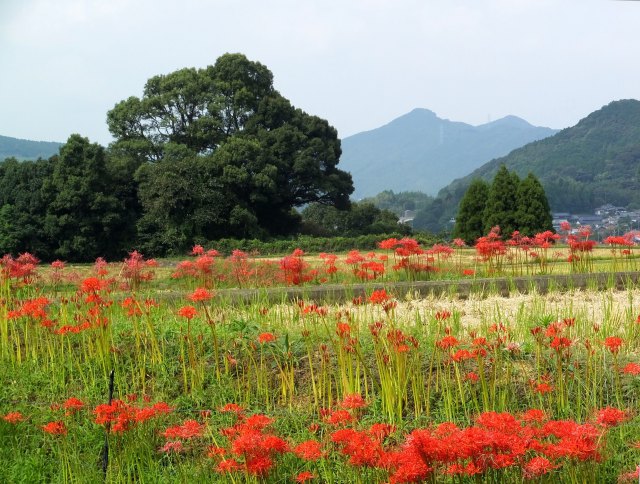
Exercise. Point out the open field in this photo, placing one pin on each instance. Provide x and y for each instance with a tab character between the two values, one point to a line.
387	386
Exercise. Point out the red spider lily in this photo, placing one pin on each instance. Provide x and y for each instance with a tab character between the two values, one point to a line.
447	342
266	338
388	244
610	417
543	388
132	306
408	247
631	369
380	431
120	416
472	377
443	315
295	269
310	450
630	476
354	257
621	240
379	296
462	355
537	466
258	421
613	344
249	441
188	312
559	343
93	285
352	402
31	308
534	415
134	269
172	447
228	465
55	428
468	272
24	267
13	417
73	405
215	451
360	446
188	430
304	476
405	465
233	408
339	417
343	330
200	295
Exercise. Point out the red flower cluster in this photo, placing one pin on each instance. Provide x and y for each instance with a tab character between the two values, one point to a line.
188	430
252	446
120	416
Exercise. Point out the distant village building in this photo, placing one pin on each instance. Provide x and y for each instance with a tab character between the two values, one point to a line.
594	221
608	209
407	217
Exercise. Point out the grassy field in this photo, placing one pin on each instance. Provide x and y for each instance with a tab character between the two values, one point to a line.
385	387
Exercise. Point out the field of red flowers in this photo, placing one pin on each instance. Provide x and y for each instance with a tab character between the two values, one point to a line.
106	378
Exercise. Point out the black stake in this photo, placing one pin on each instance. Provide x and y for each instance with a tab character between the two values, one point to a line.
105	449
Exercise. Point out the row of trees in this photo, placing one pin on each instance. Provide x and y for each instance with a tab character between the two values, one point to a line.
509	202
203	154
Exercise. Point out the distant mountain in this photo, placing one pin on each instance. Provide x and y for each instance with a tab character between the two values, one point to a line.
422	152
597	161
25	149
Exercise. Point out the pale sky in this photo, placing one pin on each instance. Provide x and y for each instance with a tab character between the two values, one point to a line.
356	63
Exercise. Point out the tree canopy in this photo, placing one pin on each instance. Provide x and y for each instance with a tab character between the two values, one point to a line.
221	153
510	203
470	219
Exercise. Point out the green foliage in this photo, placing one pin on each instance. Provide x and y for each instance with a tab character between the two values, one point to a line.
470	218
361	219
399	202
221	152
508	203
23	206
83	215
310	244
502	202
533	214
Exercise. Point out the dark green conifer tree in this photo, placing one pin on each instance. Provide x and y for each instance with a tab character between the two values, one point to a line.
502	202
470	218
533	214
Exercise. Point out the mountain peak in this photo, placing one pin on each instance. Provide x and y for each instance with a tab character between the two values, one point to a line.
420	151
509	120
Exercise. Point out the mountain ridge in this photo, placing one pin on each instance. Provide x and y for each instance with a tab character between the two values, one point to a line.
594	162
419	151
25	149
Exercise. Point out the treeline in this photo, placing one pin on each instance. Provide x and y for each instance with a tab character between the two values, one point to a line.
84	203
203	155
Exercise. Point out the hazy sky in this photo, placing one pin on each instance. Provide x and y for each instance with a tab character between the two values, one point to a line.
357	63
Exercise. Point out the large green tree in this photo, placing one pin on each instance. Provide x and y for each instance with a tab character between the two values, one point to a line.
470	218
243	140
83	216
23	206
533	214
502	202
